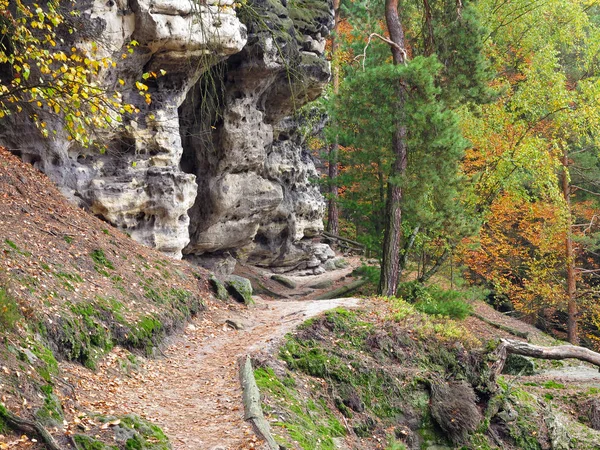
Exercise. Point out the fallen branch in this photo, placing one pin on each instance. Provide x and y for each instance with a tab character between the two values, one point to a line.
521	334
342	291
535	351
28	426
252	409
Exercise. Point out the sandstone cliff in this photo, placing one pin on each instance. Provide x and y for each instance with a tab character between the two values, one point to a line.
215	164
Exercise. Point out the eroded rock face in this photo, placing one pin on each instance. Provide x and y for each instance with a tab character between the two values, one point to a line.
212	166
250	149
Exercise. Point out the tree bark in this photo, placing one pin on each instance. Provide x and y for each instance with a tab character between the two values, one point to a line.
332	203
572	310
390	263
252	407
535	351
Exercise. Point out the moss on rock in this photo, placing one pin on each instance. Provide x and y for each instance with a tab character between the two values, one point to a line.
240	289
218	288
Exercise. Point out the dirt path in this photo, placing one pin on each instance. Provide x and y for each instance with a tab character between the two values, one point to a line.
193	392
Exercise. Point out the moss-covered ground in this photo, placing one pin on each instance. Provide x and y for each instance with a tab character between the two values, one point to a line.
370	377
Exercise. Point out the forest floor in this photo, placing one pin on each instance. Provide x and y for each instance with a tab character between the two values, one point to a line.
192	391
191	387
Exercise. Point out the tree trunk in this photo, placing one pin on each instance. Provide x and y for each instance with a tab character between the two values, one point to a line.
407	248
428	19
332	204
390	263
572	310
431	272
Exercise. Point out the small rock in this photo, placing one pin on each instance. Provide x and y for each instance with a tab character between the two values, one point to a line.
318	270
518	365
322	285
284	281
31	358
340	263
234	324
323	252
314	262
329	265
123	434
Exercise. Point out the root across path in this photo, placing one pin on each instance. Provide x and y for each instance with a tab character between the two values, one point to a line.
193	392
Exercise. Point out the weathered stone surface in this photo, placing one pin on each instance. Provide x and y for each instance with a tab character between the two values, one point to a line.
221	264
213	165
252	144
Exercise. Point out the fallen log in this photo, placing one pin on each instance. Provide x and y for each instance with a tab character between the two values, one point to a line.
342	291
508	346
27	426
339	238
521	334
252	410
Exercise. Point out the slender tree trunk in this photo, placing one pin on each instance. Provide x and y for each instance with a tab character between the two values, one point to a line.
377	217
572	310
332	209
434	269
390	263
407	248
428	18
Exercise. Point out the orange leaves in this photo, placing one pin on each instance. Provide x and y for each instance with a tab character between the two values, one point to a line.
520	251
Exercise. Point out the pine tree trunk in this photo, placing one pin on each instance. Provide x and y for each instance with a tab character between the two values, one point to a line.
572	310
390	263
332	204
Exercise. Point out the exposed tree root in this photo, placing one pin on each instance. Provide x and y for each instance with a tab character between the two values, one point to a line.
535	351
28	426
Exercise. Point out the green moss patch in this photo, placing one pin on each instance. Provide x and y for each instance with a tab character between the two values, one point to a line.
307	423
9	311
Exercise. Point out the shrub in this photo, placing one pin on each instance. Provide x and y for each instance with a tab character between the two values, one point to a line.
435	301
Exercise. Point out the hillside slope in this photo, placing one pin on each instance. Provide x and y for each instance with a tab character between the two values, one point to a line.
388	377
72	288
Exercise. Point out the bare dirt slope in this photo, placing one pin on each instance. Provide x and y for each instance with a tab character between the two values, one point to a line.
193	392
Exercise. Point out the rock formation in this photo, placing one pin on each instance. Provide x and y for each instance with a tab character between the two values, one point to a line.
215	165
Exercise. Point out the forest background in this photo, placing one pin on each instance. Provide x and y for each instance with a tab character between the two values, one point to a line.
463	136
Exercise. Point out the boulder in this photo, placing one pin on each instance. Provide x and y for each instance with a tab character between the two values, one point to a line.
218	288
240	288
